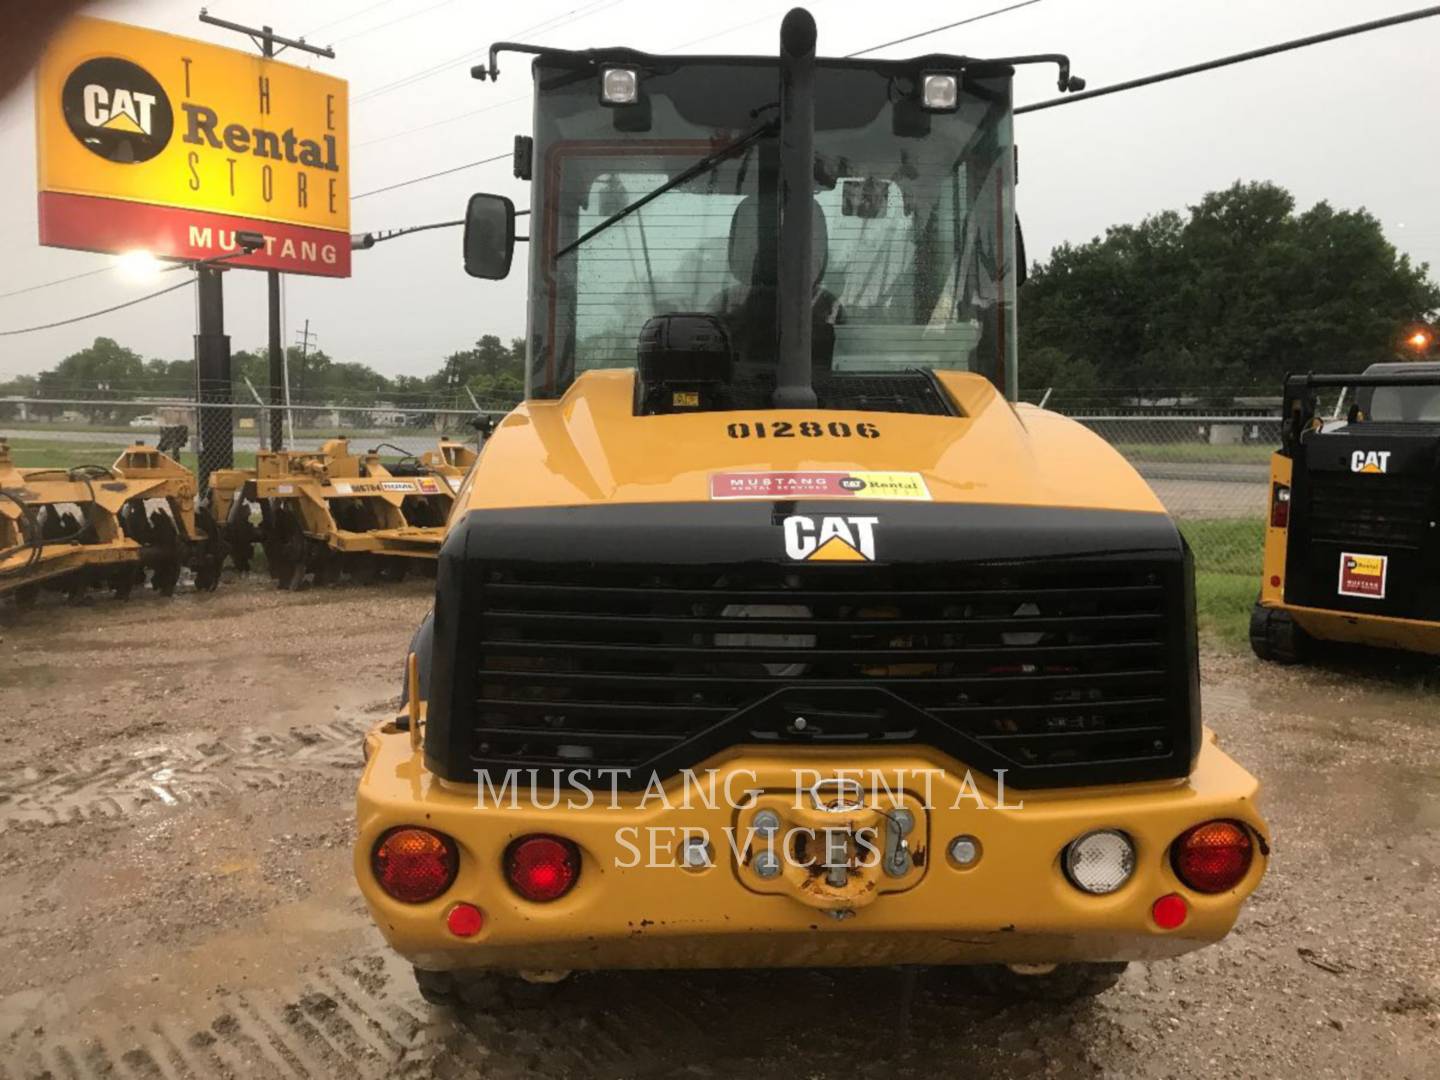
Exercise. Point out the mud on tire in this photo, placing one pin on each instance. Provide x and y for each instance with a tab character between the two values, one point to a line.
475	990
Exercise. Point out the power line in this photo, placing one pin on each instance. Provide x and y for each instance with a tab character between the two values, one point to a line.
526	97
397	19
432	176
938	29
95	314
1237	58
584	11
498	157
347	18
57	281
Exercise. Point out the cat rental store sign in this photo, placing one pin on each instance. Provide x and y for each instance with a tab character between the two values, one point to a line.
153	142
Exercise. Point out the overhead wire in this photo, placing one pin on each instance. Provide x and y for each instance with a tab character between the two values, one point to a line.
498	157
96	314
1235	58
584	11
57	281
939	29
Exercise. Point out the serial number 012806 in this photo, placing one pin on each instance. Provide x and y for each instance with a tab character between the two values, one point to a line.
804	429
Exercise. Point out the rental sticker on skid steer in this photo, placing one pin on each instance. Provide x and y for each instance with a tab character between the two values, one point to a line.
1363	575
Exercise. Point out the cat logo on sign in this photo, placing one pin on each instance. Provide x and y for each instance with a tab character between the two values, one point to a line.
830	538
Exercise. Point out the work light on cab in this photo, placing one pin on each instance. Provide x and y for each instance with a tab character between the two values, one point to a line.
1213	857
542	868
619	86
414	865
1100	862
940	92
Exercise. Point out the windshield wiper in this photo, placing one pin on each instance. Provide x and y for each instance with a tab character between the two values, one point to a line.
704	165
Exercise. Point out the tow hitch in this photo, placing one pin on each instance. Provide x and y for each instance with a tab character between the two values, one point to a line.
830	847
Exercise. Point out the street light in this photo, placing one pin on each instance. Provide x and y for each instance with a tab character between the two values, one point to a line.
1419	341
138	266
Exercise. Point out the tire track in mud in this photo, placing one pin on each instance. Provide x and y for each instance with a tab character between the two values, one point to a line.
344	1020
115	784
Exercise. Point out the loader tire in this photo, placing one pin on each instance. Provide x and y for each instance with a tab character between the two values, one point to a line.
477	990
1068	982
1275	637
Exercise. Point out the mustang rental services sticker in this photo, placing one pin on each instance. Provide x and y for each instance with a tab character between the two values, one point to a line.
1363	575
819	485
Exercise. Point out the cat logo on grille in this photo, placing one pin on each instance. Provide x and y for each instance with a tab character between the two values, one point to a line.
830	538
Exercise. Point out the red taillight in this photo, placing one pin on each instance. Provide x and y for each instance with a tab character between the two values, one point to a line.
1169	911
465	920
542	868
414	865
1280	506
1213	857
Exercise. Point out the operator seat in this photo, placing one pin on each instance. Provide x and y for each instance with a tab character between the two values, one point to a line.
748	308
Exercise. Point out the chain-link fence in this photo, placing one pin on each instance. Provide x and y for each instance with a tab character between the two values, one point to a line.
1210	470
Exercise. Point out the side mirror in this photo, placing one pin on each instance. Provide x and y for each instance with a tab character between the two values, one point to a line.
489	236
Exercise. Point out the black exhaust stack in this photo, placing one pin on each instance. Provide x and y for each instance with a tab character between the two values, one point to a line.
795	280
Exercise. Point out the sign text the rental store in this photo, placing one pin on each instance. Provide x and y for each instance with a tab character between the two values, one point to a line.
160	143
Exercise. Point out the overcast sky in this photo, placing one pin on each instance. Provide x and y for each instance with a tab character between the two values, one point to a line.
1351	122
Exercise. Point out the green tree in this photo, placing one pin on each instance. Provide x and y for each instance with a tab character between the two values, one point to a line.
1231	296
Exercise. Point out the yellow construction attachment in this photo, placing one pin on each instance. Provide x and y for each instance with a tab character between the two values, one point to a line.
99	526
322	514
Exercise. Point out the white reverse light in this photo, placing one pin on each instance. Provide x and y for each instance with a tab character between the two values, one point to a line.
1100	862
619	86
940	93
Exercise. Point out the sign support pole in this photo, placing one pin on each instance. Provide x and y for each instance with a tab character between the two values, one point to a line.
212	377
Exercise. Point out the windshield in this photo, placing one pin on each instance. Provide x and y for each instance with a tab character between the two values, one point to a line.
913	250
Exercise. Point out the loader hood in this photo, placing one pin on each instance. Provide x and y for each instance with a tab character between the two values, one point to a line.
589	447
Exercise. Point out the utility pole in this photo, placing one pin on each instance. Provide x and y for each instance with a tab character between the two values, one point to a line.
267	40
305	337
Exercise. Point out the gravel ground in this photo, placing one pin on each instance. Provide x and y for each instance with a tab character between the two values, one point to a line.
175	823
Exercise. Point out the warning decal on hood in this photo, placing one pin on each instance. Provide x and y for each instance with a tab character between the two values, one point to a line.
819	485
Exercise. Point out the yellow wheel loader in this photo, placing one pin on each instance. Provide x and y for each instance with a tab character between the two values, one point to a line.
1352	547
318	515
770	629
97	526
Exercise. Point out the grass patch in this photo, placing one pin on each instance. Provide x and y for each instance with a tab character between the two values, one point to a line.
1196	453
1222	607
1229	558
29	453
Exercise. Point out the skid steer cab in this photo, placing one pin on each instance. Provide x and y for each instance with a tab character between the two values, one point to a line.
1352	548
770	629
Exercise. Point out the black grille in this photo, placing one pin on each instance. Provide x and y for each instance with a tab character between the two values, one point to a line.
1054	674
1390	511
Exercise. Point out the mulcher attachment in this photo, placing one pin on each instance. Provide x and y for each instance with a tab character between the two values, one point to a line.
321	516
103	527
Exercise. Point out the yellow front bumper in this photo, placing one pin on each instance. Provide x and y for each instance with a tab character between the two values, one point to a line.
1014	905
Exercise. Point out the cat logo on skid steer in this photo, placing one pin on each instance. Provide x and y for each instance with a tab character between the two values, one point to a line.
1370	461
830	538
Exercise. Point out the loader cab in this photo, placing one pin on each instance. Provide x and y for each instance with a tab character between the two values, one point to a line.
659	234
